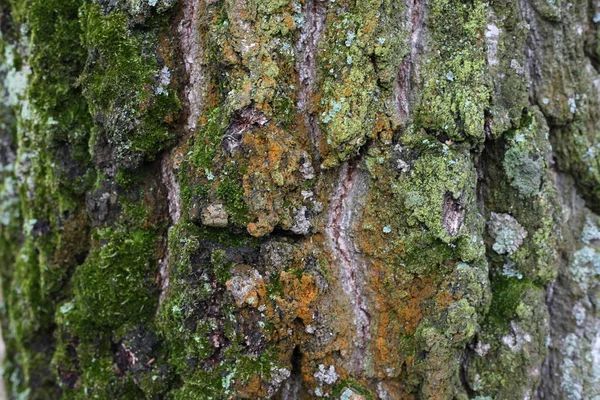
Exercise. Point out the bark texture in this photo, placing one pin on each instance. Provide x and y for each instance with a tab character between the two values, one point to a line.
293	199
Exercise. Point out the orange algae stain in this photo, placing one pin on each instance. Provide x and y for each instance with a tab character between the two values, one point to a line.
253	388
445	299
299	295
272	178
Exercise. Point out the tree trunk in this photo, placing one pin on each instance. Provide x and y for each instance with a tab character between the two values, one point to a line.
292	199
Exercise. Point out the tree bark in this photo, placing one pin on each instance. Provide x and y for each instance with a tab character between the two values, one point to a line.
293	199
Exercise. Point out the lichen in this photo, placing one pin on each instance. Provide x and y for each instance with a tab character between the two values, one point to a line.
354	106
508	234
524	170
456	88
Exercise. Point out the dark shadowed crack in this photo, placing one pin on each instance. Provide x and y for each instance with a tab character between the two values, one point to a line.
344	212
292	387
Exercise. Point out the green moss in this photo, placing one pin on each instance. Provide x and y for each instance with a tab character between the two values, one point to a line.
231	192
235	370
115	284
198	269
202	176
208	140
506	297
98	379
56	62
127	178
120	84
29	312
221	266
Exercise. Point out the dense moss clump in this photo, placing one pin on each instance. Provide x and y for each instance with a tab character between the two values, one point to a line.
126	87
115	284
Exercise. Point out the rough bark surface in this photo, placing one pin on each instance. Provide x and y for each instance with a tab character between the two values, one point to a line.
293	199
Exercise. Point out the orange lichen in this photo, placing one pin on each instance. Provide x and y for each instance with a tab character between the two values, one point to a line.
253	388
272	178
299	295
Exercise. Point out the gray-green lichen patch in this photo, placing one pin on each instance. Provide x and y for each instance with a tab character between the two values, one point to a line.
525	161
584	267
524	190
575	342
508	234
524	171
567	92
438	194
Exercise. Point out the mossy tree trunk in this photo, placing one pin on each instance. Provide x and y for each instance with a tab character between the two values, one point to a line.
292	199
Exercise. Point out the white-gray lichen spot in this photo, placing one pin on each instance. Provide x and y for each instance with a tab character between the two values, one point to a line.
301	224
326	375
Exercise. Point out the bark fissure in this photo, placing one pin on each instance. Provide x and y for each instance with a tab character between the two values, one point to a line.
307	48
344	213
193	53
409	72
173	201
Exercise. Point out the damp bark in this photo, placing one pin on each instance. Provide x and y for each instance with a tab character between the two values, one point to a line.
300	199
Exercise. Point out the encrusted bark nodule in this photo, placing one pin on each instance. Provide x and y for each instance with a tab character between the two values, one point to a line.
206	199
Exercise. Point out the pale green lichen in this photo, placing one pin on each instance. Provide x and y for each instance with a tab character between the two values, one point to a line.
456	88
585	265
363	41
